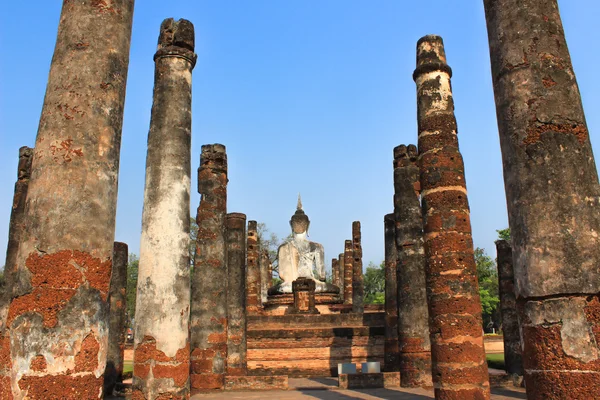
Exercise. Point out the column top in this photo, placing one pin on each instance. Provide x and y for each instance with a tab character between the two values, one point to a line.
405	155
176	39
431	56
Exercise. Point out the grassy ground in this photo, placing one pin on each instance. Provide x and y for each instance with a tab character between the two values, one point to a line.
495	360
127	366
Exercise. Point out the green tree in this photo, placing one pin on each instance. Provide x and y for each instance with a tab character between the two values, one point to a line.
487	276
374	283
132	278
504	234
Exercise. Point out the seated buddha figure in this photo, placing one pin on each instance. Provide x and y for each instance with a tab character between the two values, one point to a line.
299	257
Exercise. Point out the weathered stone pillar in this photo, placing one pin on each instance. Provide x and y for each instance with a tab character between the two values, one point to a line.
265	272
335	271
413	332
391	361
304	296
236	294
459	366
15	232
357	272
253	270
57	323
552	195
117	300
342	274
348	271
513	360
208	334
161	340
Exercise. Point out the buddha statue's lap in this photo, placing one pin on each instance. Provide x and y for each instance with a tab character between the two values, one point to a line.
299	257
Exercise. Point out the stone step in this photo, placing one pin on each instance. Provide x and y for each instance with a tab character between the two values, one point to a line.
348	332
315	341
318	353
300	321
303	368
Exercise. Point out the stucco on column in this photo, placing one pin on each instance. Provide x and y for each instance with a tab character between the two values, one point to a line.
208	326
390	361
117	300
552	195
357	272
459	368
235	239
57	318
161	340
413	328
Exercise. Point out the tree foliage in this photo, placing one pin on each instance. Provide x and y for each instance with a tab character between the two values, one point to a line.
504	234
374	284
487	276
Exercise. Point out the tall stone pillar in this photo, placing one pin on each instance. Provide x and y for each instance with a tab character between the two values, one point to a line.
161	341
513	360
348	271
236	294
265	275
342	275
335	271
391	361
58	313
552	194
253	270
413	332
117	300
459	366
15	233
15	230
208	333
357	272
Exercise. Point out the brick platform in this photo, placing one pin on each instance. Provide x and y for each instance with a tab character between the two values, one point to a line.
277	382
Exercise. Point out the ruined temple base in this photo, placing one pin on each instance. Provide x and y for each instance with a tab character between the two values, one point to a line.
312	345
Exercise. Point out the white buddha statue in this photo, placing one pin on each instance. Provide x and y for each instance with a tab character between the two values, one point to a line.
299	257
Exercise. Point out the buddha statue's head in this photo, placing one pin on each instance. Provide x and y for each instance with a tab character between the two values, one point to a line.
299	221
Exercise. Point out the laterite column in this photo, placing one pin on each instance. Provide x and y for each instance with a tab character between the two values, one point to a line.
235	239
413	325
459	366
335	271
552	194
357	272
208	333
391	362
57	323
161	341
265	279
117	300
342	276
253	270
348	271
15	233
513	359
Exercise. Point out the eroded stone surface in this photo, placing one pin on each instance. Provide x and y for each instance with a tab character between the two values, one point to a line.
391	361
357	270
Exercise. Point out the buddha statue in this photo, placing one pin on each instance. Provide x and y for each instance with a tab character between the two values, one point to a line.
299	257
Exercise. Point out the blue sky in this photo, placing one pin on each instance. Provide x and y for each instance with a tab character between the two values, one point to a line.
308	96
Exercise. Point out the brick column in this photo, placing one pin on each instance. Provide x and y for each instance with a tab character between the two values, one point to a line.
58	313
265	279
513	360
117	300
304	296
208	334
391	361
236	294
335	271
15	233
415	347
348	271
342	274
459	366
161	340
253	270
357	272
552	195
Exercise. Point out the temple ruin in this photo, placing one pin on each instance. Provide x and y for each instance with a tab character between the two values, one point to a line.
220	322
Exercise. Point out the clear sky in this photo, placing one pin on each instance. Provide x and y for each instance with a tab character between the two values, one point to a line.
308	96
